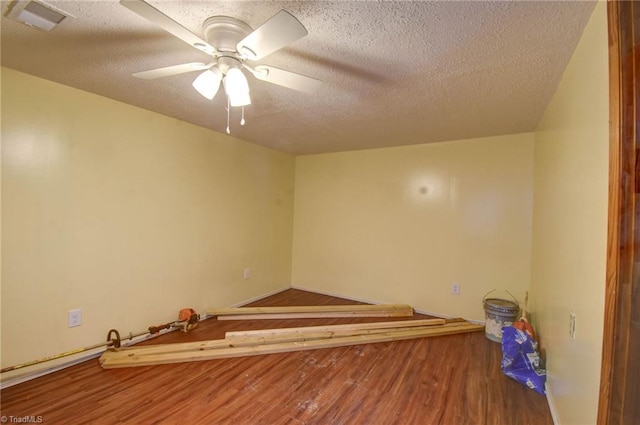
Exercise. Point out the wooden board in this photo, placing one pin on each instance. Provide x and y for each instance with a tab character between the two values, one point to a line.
362	308
115	360
318	315
350	326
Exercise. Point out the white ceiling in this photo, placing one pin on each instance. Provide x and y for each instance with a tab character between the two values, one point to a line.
393	73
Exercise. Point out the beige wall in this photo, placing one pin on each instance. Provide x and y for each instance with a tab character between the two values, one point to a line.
570	226
403	224
129	215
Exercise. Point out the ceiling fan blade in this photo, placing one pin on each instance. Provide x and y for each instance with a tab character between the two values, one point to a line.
280	30
287	79
154	16
171	70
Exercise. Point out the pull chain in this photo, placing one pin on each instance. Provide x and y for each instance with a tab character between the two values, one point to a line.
228	112
242	121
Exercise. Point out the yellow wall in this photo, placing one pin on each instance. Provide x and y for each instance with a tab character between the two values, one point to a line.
570	226
129	215
403	224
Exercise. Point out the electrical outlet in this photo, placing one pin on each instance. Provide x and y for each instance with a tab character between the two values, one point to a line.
455	288
74	318
247	273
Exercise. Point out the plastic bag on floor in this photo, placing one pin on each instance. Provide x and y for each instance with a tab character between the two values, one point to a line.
521	360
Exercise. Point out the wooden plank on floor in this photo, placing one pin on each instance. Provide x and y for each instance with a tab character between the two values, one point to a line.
357	308
318	315
350	326
108	361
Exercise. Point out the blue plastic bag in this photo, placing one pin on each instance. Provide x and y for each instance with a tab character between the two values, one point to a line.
521	360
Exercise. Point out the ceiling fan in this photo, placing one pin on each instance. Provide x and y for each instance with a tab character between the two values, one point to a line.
231	42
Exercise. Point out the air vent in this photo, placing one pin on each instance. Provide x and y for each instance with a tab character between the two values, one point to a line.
37	13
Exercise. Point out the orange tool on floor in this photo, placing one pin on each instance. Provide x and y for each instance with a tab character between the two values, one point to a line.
187	320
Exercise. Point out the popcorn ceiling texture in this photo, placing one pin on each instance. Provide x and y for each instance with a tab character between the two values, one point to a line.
394	73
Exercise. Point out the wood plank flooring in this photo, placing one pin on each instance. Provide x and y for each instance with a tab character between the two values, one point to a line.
442	380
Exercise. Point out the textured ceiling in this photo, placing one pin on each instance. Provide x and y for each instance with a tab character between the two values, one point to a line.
393	73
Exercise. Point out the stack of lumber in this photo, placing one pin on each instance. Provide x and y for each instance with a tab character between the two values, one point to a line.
268	341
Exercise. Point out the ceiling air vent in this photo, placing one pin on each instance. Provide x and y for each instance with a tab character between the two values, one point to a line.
37	13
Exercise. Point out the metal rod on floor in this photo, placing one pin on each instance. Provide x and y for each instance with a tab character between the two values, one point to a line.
187	320
111	342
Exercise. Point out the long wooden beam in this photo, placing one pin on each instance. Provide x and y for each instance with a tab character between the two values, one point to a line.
308	308
318	315
111	360
349	310
349	326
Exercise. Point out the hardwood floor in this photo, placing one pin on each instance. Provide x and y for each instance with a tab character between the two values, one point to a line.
442	380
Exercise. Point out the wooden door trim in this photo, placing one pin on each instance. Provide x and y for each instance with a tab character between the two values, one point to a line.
621	225
613	230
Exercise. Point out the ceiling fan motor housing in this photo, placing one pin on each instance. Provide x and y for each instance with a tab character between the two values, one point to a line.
225	32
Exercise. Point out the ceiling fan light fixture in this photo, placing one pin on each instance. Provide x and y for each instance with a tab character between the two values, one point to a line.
240	99
208	82
237	87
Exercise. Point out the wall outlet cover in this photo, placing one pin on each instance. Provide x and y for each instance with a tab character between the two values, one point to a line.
74	317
